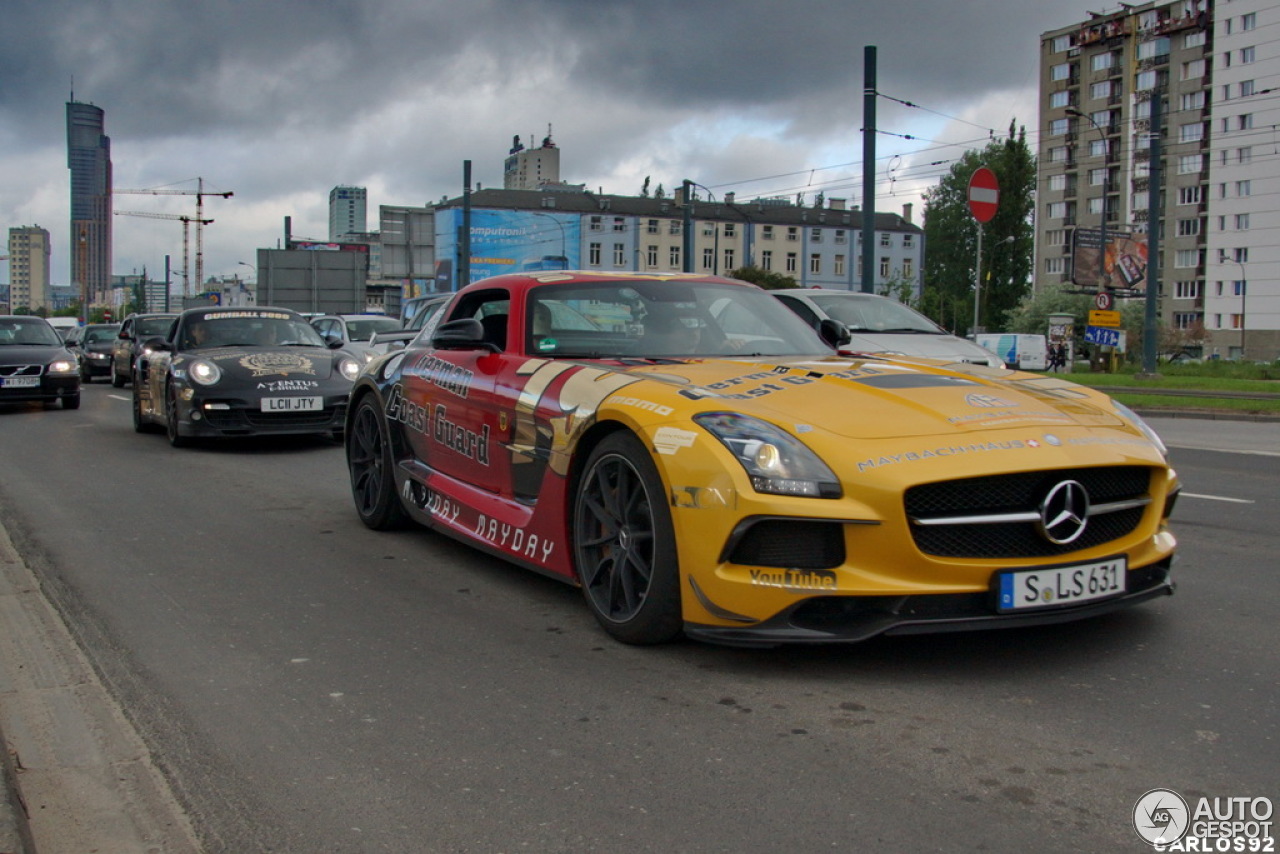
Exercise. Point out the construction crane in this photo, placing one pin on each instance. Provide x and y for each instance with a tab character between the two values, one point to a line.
186	230
198	219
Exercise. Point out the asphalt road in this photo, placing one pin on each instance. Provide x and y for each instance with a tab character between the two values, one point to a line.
308	685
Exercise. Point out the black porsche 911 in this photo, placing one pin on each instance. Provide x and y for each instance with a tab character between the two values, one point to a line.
225	372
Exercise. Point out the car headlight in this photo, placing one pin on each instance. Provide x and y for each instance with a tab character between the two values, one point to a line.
349	368
63	366
1143	426
204	372
776	462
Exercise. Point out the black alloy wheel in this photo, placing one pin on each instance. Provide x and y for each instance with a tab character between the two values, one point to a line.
370	463
624	545
171	418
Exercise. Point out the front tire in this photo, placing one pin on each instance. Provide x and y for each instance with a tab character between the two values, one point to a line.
117	381
171	418
371	466
624	545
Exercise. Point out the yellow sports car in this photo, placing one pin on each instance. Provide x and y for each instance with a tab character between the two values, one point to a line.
699	460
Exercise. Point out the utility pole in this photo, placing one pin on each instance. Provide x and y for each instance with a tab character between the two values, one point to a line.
687	190
1149	325
464	237
868	168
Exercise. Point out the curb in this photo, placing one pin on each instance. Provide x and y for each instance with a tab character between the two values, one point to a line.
15	823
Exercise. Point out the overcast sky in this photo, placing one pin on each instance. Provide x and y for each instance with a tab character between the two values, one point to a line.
278	101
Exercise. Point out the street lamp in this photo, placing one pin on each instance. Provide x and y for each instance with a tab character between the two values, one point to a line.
563	240
1106	185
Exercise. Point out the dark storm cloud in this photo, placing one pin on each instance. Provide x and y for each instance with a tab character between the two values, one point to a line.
279	100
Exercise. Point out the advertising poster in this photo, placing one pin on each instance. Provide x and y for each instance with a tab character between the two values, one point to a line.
1124	265
506	242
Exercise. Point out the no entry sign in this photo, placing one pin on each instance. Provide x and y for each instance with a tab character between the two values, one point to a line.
984	194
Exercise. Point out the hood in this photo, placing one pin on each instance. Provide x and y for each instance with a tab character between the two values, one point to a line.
871	399
923	344
273	363
32	354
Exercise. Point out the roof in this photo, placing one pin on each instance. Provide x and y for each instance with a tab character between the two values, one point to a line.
765	211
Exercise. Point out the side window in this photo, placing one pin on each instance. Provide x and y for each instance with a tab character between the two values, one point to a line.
807	314
492	308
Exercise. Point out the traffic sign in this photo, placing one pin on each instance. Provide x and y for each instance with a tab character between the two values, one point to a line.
1104	300
1104	318
984	194
1103	336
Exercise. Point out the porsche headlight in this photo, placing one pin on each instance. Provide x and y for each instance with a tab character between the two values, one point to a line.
1143	426
776	462
63	366
204	372
349	368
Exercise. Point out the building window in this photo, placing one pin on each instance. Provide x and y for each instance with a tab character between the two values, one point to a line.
766	259
1096	206
1193	70
1247	88
839	265
593	255
1189	163
1055	266
1057	210
1055	237
1244	121
1188	227
815	264
675	227
730	229
886	239
597	223
841	236
908	241
673	257
1245	154
793	233
708	258
1244	188
1061	71
884	267
1242	222
1186	290
1099	147
1101	61
1061	44
1058	127
651	256
1185	319
619	224
766	233
908	269
1248	55
1190	101
1100	90
1186	258
1058	154
1189	195
815	235
708	229
619	255
1248	22
728	260
1058	100
1193	132
791	262
652	226
1194	39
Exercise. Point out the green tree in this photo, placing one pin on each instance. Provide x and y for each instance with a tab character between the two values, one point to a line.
951	237
770	281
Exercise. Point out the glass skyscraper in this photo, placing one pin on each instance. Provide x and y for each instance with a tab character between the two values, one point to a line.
89	159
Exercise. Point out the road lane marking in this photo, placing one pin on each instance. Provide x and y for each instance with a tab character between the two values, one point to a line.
1218	498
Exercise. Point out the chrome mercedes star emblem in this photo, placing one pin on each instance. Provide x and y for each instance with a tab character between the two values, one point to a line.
1064	513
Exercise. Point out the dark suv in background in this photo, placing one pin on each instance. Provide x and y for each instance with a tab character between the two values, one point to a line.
135	329
92	345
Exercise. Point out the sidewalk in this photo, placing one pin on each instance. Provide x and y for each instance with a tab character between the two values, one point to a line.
77	777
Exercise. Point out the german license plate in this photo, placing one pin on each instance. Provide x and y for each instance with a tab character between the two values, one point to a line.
1056	586
19	382
291	404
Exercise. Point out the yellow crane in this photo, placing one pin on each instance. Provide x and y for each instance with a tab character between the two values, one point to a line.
186	230
198	219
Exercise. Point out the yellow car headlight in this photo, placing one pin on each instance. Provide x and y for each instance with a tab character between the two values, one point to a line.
775	461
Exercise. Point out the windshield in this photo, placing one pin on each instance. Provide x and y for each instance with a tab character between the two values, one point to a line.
18	331
631	318
148	327
868	313
365	328
209	329
101	334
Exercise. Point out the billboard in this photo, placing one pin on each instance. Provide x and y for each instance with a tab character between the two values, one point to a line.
1124	266
506	242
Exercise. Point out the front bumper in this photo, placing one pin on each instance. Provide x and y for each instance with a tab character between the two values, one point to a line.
51	388
228	417
850	619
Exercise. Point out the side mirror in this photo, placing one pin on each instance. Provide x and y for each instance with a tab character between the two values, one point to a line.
465	333
157	345
834	332
393	340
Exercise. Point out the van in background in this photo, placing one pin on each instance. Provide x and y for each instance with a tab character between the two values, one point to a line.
1023	352
63	325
